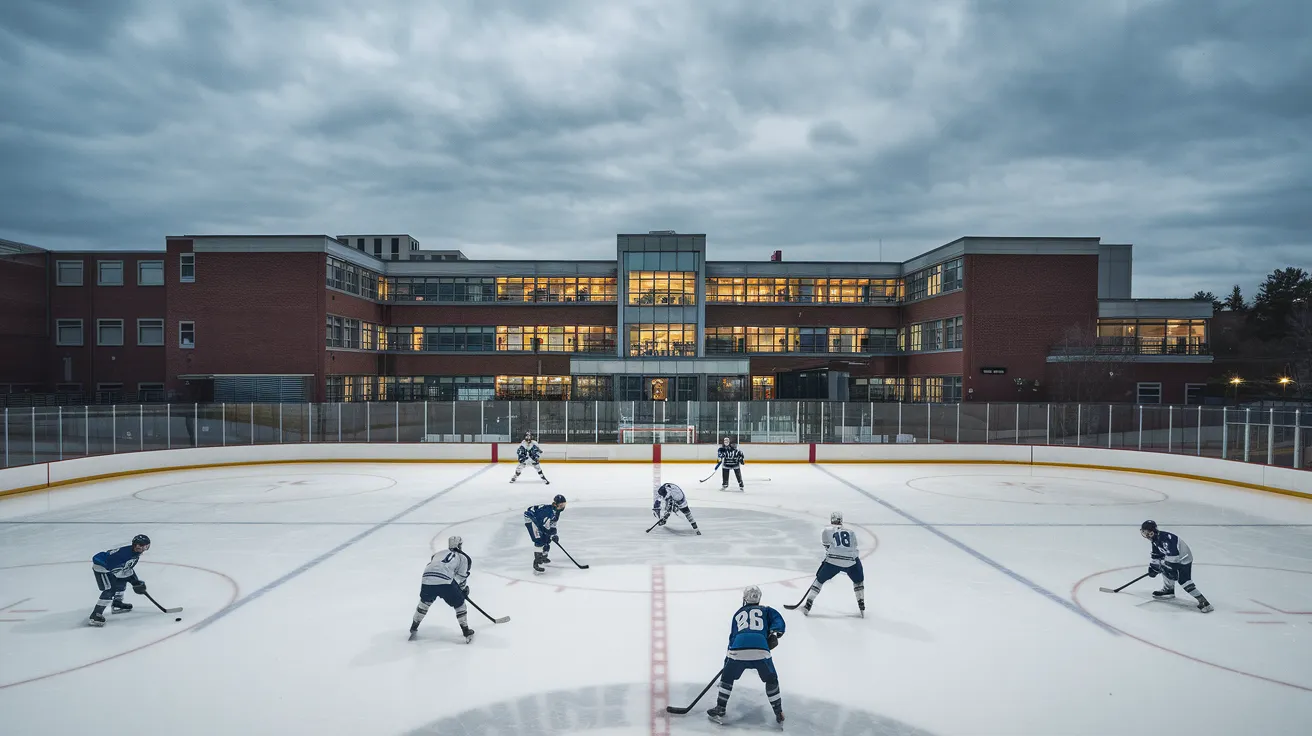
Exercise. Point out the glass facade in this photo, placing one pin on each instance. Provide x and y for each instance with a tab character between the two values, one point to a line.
806	340
1153	336
668	340
776	290
663	288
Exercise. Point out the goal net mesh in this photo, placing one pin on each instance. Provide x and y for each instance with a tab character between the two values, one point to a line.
658	435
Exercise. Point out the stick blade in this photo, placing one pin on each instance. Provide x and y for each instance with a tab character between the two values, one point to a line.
173	610
502	620
793	608
676	710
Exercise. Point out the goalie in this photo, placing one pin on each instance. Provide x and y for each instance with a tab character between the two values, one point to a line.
669	498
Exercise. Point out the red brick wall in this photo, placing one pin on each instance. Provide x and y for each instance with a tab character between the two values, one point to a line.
260	313
800	316
857	367
346	305
935	364
91	364
948	305
24	339
1172	376
1017	307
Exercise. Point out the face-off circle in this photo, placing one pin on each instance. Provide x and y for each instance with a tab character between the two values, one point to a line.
265	489
1265	613
1037	490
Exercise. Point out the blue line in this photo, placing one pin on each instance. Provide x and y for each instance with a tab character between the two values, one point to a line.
294	573
977	555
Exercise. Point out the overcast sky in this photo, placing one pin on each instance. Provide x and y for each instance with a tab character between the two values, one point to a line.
541	129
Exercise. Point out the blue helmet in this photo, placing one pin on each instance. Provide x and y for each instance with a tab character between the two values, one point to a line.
559	499
141	540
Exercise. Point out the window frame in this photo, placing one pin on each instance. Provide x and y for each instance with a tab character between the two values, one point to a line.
81	272
186	260
155	322
153	264
60	324
102	323
1139	392
182	329
100	272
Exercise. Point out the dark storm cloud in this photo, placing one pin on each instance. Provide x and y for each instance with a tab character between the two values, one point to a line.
541	129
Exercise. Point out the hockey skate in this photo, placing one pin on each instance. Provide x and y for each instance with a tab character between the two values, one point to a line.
1164	593
514	478
806	608
779	715
724	487
468	632
96	620
120	607
716	714
1203	605
537	563
862	605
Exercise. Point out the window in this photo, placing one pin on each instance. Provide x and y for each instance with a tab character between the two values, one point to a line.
150	332
109	273
772	290
685	388
593	388
378	247
1150	393
917	337
925	283
762	388
876	389
952	390
533	387
359	244
187	268
726	388
109	332
150	273
662	288
68	273
68	388
1194	392
556	339
952	279
883	340
678	340
109	393
150	392
1153	336
934	335
186	334
68	332
954	338
396	249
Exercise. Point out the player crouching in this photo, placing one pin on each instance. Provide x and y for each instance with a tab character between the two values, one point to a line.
529	452
671	498
541	521
841	555
1172	558
754	631
446	578
114	569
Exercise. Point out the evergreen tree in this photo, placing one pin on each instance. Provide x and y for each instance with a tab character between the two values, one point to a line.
1235	302
1207	296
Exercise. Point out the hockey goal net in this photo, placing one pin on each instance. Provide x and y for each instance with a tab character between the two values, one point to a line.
658	434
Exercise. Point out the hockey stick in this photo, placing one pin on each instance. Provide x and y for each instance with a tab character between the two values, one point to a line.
653	526
796	605
680	711
712	475
571	557
1123	587
162	608
501	620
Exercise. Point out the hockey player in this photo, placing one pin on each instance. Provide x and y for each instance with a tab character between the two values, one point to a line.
529	452
1171	557
841	555
446	577
754	631
670	498
730	458
541	524
114	569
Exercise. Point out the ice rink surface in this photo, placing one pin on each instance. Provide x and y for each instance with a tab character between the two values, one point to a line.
299	582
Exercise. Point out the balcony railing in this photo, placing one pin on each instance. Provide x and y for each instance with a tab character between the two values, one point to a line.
799	348
1129	346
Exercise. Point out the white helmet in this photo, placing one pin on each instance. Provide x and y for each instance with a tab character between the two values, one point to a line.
751	595
836	517
454	543
726	441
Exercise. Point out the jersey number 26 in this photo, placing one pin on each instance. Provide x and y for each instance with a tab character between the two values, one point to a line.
750	620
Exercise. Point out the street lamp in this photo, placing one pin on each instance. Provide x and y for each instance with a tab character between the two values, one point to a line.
1235	382
1284	382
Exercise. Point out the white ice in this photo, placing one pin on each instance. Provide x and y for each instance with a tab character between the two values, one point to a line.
299	582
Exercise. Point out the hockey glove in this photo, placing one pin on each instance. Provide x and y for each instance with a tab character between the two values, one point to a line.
656	511
139	588
772	639
1154	570
1170	572
464	590
555	538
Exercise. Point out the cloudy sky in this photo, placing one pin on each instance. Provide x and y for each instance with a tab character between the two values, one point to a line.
541	129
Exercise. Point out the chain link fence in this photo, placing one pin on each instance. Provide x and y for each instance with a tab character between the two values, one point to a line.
1272	435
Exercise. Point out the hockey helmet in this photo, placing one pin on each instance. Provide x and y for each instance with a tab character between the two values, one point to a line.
1148	529
141	540
836	517
726	442
559	500
528	435
454	542
751	595
663	490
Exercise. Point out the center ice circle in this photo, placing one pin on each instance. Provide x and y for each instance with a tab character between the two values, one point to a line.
1042	490
265	488
738	547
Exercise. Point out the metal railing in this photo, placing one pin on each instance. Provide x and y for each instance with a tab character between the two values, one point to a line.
1137	346
1277	436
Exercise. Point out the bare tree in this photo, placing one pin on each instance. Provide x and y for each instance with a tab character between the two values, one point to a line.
1089	368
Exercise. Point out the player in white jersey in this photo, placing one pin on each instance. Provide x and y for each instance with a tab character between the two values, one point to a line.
446	576
529	452
841	555
667	499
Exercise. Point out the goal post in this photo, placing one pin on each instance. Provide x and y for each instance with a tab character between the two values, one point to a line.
658	434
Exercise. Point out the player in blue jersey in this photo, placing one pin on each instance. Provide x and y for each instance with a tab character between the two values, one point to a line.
729	458
529	452
114	569
754	631
541	524
1172	558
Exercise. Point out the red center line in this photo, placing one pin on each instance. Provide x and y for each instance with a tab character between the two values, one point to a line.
15	603
660	673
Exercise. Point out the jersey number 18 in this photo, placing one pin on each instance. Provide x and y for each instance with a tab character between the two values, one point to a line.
750	620
843	539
